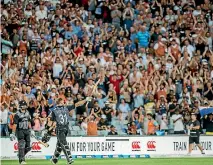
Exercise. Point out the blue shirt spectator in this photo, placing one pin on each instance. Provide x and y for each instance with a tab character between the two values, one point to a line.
138	100
143	38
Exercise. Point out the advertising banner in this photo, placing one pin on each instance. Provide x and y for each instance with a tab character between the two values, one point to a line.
112	146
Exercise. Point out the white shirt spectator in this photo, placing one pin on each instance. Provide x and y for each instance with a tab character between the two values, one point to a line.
169	66
132	78
196	12
30	34
84	126
83	66
176	39
171	18
125	109
84	14
28	13
212	74
190	49
3	116
187	95
157	66
210	23
102	61
5	13
41	14
209	42
38	8
57	69
164	125
110	63
178	125
140	63
12	71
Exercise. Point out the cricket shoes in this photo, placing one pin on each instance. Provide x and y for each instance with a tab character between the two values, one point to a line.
189	154
202	152
54	161
71	161
23	162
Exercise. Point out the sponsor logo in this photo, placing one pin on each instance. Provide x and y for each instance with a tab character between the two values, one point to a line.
151	146
183	146
136	146
35	147
180	146
15	146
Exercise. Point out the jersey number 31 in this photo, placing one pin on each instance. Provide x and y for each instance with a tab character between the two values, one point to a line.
63	118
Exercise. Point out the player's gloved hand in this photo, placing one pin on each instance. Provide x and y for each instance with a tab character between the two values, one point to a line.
32	132
12	136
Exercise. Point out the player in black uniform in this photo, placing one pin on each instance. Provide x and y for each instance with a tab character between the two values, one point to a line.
22	124
194	137
61	115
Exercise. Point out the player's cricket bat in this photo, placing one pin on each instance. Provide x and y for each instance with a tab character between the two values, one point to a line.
44	144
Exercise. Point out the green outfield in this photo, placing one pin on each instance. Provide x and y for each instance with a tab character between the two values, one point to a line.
144	161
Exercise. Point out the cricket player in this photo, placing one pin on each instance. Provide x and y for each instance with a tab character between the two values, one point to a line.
61	116
194	137
22	129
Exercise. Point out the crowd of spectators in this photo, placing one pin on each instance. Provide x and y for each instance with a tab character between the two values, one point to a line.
123	66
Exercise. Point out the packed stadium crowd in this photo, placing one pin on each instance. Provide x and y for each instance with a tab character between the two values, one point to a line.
120	66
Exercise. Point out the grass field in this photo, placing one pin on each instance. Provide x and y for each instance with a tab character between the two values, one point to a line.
142	161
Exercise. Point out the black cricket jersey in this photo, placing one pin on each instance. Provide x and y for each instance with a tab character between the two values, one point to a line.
61	115
194	133
22	119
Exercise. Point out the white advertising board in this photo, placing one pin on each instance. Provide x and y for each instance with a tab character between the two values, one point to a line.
114	146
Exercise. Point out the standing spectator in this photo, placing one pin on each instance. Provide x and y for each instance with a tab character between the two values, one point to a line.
80	105
92	128
128	16
150	125
139	96
143	37
103	124
116	80
109	111
178	122
160	47
4	119
116	17
124	110
164	124
138	119
37	121
12	112
84	124
132	130
41	13
57	65
209	124
161	108
208	91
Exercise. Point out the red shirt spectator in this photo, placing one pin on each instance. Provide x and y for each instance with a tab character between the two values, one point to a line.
116	82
